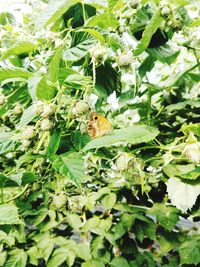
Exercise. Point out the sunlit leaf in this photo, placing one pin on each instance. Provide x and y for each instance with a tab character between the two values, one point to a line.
182	195
6	73
133	135
166	216
190	251
26	117
9	214
17	257
21	48
7	18
79	51
71	166
53	11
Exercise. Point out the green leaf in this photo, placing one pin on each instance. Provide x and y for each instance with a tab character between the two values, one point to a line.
23	47
27	116
172	170
123	226
17	177
189	252
32	86
133	135
34	255
96	34
165	244
83	251
58	257
165	53
144	227
150	29
119	262
194	127
187	171
111	80
182	195
70	165
6	73
144	259
92	263
17	258
80	50
43	90
6	146
78	82
53	68
195	23
7	18
176	78
3	257
79	140
167	216
17	94
182	12
70	258
103	21
53	11
182	105
96	246
109	201
45	246
74	221
113	4
6	136
193	175
54	143
7	239
9	214
146	66
123	207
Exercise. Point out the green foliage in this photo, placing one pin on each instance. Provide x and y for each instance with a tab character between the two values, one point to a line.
9	214
130	196
148	33
133	135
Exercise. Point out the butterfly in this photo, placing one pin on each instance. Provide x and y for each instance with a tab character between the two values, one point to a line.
98	125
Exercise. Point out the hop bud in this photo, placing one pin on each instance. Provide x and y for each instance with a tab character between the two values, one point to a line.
2	99
28	133
98	52
46	125
25	143
122	161
177	25
47	111
38	107
125	60
59	201
121	29
17	109
9	155
165	11
134	4
192	148
80	108
83	127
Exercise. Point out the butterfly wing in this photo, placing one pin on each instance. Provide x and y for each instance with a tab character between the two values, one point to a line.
98	125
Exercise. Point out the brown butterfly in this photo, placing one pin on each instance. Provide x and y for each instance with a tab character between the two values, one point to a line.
98	125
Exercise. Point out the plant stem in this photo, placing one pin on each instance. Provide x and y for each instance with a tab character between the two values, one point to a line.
84	14
2	194
94	72
13	198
